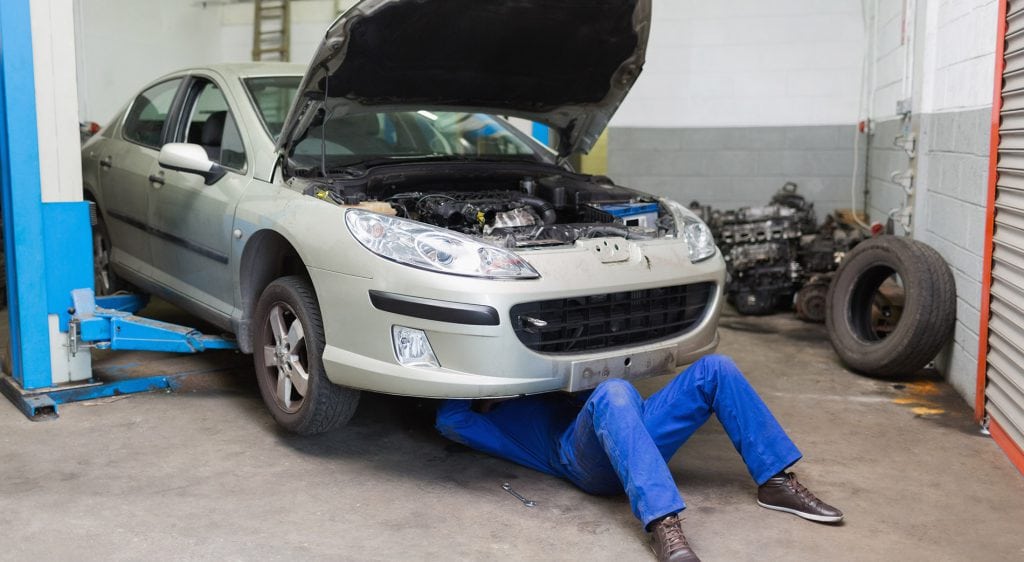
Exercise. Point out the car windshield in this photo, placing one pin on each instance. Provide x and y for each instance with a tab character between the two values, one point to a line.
361	138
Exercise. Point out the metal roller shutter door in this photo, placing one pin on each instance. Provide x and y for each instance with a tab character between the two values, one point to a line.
1004	390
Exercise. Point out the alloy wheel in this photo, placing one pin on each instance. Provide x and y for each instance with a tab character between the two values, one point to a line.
287	357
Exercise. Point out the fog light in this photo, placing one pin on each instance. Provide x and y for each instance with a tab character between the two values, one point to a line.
412	347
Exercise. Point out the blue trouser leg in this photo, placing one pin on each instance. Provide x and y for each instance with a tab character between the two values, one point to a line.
608	448
621	442
715	385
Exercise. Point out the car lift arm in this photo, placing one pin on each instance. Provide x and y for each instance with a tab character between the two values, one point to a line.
114	327
110	323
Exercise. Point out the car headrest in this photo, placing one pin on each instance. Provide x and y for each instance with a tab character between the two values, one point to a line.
213	128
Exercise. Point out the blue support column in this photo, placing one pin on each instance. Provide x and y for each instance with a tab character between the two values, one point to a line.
24	245
542	133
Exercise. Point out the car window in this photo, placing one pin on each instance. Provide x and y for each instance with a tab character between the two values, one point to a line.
212	126
273	97
145	121
361	137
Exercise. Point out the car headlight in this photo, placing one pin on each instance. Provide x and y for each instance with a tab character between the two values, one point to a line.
434	249
698	236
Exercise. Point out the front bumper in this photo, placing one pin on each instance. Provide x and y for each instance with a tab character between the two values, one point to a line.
482	359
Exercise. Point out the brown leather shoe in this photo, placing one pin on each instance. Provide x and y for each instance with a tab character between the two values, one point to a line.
786	493
668	542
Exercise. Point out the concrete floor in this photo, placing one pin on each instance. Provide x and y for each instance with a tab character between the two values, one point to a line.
205	474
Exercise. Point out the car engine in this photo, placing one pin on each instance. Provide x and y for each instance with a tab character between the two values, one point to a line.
777	254
514	219
516	213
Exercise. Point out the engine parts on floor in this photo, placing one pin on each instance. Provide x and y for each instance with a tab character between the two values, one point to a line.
811	300
774	252
891	307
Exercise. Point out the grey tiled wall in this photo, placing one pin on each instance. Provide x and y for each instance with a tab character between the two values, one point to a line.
735	167
951	214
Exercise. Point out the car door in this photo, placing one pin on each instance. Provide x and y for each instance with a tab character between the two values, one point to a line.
127	162
191	221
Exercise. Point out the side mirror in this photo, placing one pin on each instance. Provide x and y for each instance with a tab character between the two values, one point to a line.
191	159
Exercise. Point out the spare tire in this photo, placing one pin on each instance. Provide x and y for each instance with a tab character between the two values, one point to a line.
891	306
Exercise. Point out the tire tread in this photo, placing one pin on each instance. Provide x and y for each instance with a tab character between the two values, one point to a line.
918	339
330	406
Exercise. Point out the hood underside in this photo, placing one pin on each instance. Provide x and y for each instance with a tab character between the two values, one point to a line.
566	63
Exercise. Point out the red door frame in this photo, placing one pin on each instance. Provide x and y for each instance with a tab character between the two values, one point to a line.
999	435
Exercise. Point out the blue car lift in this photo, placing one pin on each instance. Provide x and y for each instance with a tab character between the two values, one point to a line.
47	231
110	323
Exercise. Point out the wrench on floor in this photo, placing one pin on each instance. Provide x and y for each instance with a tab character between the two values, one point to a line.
508	488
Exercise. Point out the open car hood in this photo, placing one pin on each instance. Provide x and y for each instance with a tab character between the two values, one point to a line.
565	63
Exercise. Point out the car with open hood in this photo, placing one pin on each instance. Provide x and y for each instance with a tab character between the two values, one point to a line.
374	222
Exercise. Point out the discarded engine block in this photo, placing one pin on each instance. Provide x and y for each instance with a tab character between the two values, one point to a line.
773	251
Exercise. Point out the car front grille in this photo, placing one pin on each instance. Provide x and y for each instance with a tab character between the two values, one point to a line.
611	320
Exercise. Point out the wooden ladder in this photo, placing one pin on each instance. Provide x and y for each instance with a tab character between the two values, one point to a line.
271	30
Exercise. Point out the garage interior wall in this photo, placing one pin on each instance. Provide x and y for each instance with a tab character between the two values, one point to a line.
955	122
938	55
124	44
739	97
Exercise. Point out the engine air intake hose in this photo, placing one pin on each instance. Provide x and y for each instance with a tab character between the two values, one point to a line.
544	209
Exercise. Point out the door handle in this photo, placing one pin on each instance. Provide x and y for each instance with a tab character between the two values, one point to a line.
157	180
107	163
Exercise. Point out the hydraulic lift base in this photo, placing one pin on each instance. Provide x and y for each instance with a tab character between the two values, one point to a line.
110	323
41	405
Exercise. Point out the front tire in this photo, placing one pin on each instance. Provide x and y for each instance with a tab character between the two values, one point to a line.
288	354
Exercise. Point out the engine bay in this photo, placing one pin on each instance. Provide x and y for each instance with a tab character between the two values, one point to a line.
508	209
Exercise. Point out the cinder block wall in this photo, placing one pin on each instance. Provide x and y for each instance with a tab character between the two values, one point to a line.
954	169
952	84
886	196
734	167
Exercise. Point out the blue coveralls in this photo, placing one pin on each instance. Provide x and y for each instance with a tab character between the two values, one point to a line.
620	442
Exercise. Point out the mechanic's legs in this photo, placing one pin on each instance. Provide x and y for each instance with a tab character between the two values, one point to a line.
715	384
608	449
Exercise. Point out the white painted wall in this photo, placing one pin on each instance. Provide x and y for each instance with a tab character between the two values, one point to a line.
310	19
123	44
945	62
749	63
890	54
959	65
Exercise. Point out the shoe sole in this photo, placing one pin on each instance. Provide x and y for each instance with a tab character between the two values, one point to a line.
802	514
